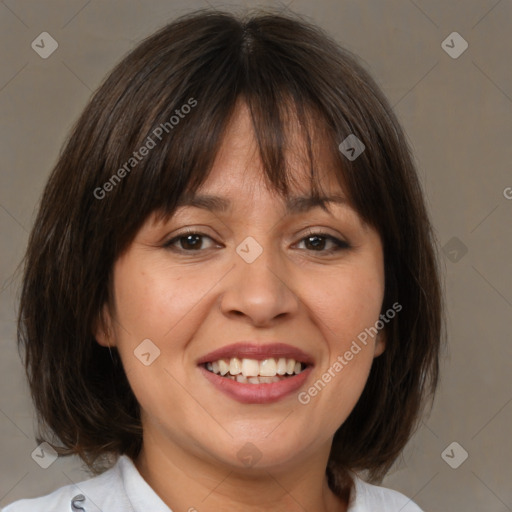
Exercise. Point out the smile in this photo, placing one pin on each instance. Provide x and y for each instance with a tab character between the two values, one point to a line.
256	374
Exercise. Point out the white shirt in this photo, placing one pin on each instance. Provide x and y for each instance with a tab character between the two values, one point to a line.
122	489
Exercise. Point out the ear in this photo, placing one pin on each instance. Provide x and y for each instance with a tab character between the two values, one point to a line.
102	329
380	343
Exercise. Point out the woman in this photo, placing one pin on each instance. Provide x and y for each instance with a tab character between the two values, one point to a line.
231	291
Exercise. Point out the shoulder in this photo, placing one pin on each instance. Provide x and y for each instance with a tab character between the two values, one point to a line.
368	497
95	494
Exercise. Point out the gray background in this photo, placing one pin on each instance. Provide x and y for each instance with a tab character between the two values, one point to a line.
457	113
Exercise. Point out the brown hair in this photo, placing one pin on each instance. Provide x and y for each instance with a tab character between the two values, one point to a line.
91	210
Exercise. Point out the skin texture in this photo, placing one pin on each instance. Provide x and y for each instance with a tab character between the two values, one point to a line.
191	303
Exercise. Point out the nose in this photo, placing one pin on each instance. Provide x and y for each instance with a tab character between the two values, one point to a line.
259	291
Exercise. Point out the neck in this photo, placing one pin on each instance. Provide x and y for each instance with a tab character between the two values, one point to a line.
186	482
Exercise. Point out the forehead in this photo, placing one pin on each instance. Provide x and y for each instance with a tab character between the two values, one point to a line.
238	162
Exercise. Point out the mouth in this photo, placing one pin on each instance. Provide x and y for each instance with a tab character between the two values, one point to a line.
255	373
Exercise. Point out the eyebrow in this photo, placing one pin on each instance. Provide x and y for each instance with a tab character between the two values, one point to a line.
295	204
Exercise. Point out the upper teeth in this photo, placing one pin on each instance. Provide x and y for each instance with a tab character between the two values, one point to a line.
254	368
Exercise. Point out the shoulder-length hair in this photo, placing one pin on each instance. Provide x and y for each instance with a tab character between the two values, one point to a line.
174	95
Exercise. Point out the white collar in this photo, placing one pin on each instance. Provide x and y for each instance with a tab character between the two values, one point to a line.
139	493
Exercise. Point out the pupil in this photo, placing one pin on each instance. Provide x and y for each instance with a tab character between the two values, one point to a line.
193	244
319	241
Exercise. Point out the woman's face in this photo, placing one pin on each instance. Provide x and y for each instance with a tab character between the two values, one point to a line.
259	288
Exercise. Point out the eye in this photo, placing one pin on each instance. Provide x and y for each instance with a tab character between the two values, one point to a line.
317	242
193	241
187	241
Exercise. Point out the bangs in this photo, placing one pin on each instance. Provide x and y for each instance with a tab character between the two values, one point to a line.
285	151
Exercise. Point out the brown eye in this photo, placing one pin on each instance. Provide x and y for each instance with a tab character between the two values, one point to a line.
317	242
187	242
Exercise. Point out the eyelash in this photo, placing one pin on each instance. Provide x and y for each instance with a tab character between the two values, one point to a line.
339	244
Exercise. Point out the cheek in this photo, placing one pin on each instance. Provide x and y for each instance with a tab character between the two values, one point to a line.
346	303
164	304
156	304
153	303
346	306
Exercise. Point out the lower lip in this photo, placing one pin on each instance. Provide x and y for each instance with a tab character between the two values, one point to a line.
257	393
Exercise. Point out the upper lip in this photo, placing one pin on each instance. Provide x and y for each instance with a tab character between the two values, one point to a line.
258	351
